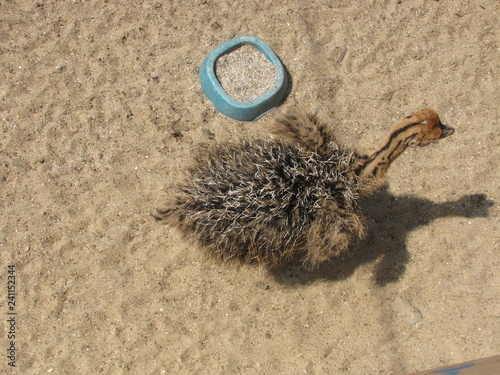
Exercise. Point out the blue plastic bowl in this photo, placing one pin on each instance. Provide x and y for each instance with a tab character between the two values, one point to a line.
242	111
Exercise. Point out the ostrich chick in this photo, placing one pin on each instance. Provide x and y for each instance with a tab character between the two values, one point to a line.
297	195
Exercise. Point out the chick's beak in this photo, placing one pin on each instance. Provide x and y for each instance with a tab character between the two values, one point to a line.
447	131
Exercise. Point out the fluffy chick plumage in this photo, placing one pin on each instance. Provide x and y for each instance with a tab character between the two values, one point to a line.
270	200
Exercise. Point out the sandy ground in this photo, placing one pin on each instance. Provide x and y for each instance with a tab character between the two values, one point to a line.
91	95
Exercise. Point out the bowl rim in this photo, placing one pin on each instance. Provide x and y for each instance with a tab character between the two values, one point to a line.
249	110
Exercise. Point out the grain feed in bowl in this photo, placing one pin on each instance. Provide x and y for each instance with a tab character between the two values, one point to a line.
245	73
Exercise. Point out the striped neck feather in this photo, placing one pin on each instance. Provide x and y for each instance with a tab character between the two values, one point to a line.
378	163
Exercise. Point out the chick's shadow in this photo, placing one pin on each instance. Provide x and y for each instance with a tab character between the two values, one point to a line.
390	219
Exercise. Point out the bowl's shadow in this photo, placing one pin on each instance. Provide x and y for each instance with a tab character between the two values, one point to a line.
390	220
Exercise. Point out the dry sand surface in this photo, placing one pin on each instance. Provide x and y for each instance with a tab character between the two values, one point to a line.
100	112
